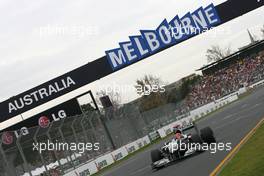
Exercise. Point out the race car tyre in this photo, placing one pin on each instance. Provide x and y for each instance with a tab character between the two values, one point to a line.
155	155
196	139
207	135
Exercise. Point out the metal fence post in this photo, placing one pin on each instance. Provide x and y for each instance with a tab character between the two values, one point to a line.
63	139
103	123
22	154
74	132
8	170
84	131
55	153
93	128
107	130
41	157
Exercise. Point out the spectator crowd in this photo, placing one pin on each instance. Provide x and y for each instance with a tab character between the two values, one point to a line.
242	73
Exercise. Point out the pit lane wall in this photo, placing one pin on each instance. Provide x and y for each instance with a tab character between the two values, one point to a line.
109	158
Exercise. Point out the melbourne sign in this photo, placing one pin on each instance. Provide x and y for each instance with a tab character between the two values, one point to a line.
166	34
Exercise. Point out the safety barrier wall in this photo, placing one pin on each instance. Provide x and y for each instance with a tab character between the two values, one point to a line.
108	159
119	153
257	84
87	169
104	161
132	147
146	140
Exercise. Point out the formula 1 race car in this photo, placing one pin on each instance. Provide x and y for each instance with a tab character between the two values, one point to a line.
181	146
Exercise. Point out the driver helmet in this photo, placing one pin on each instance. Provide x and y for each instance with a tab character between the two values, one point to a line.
175	128
178	134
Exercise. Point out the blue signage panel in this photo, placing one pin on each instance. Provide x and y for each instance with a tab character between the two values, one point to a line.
166	34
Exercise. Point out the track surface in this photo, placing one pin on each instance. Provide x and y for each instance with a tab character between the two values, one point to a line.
230	124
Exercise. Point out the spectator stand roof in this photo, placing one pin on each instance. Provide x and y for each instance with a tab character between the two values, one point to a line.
242	53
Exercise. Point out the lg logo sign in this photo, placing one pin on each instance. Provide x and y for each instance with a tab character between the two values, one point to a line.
44	121
60	115
22	132
7	138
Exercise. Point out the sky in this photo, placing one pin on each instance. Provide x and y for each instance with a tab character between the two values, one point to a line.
43	39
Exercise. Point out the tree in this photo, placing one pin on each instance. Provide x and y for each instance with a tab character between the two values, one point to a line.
87	107
151	89
145	85
179	93
216	53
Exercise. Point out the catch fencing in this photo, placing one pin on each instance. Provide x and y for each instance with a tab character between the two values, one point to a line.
112	129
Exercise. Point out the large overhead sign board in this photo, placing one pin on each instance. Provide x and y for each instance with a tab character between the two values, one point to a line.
139	47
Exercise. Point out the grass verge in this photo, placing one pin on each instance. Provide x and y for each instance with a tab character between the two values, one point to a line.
249	159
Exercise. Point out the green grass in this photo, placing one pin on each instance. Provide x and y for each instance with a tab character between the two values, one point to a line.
249	161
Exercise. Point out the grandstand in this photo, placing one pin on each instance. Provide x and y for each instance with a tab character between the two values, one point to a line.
220	78
242	53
